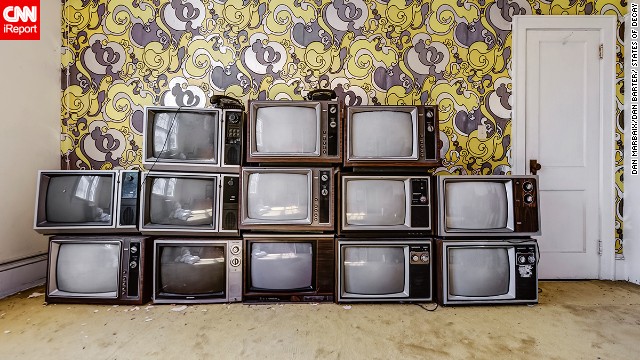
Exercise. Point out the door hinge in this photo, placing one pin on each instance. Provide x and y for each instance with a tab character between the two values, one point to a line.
600	247
601	51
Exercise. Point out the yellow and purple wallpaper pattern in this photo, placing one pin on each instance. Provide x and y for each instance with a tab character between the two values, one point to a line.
119	56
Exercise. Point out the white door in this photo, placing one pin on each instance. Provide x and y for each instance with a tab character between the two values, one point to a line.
561	93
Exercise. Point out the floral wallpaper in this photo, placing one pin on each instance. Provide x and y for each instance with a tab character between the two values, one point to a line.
119	56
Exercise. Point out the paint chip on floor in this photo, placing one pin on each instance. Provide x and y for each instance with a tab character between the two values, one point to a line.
95	311
149	307
34	295
7	331
148	319
347	307
179	308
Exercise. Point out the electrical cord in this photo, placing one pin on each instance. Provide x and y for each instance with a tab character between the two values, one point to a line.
164	146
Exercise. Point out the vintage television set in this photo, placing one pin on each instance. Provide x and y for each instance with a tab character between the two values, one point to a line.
196	204
287	199
391	136
488	205
86	201
380	203
288	268
192	139
487	271
300	131
107	269
384	270
195	270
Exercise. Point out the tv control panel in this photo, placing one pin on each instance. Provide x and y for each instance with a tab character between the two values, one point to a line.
129	185
420	204
233	122
525	194
330	136
526	272
230	194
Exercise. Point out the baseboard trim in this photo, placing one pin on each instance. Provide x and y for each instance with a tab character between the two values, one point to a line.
22	274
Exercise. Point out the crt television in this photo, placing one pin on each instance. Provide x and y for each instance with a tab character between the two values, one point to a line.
196	204
288	268
192	139
99	269
287	199
384	270
483	205
284	131
86	201
487	271
391	136
385	203
195	270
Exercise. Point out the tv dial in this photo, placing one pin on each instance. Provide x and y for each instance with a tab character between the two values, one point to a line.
423	199
333	124
324	177
234	118
133	264
235	249
532	259
235	262
527	186
424	257
522	259
429	113
528	199
415	258
333	109
324	192
134	249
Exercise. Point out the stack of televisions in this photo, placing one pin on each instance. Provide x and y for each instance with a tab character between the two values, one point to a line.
290	201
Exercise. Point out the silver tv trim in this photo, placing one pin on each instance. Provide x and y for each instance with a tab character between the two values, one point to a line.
234	265
244	216
152	163
255	105
413	110
40	203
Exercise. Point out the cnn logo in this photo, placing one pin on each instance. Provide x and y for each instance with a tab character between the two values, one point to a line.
15	14
20	20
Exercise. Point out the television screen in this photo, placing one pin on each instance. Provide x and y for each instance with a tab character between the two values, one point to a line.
281	265
287	129
478	272
382	134
192	270
79	199
476	205
375	202
278	196
182	201
374	270
88	268
185	135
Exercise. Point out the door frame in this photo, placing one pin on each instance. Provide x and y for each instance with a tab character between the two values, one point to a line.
607	26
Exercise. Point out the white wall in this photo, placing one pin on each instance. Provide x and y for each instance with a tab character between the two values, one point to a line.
29	132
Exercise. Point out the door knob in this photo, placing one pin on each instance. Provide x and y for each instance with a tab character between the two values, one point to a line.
534	166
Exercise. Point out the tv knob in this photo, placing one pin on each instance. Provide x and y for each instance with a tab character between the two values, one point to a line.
527	186
528	199
235	249
234	118
423	199
134	249
424	258
333	109
324	192
333	124
133	265
521	259
324	177
129	177
532	259
235	262
429	113
415	258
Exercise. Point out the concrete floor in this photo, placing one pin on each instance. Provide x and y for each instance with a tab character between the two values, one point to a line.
574	320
